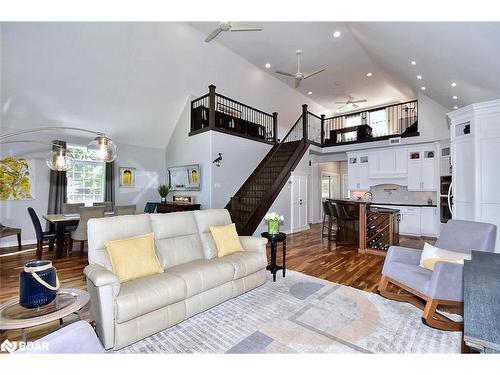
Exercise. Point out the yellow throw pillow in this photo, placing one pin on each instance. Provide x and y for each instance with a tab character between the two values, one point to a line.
133	257
226	239
431	255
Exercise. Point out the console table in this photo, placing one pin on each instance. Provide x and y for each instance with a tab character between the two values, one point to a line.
482	302
163	208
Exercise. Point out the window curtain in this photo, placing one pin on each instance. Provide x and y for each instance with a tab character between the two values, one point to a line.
57	187
109	186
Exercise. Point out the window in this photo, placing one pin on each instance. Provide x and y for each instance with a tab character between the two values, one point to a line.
378	123
86	180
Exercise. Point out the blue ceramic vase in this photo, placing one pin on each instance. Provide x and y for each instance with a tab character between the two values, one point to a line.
38	284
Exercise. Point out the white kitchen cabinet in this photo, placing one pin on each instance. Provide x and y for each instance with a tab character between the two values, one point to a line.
410	221
422	169
358	172
429	225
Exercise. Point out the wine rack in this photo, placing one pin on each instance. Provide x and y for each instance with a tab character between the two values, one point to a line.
381	230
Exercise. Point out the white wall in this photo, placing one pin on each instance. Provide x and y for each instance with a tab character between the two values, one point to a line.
129	79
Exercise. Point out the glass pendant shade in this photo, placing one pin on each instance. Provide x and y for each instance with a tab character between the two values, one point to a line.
59	160
102	149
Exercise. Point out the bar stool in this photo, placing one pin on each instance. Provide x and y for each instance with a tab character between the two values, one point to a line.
329	218
346	222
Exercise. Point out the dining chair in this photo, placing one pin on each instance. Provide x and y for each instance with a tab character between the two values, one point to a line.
41	235
8	231
80	233
108	205
125	210
72	208
150	208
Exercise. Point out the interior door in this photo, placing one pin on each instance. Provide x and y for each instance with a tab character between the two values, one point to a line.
299	203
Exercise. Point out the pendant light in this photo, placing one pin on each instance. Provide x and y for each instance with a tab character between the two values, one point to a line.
59	160
102	149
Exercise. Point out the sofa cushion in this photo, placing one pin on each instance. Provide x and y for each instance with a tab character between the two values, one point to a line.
205	219
113	228
141	296
226	239
133	257
245	262
411	275
177	238
202	275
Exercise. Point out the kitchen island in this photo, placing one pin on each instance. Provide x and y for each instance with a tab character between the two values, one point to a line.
376	228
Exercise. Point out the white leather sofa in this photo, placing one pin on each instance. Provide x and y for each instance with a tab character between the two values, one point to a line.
194	278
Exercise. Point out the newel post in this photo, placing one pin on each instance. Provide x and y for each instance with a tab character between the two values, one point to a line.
322	129
304	122
211	106
275	126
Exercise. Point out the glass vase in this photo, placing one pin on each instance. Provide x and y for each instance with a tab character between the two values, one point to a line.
273	226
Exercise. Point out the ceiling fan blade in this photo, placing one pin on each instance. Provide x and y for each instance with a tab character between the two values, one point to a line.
297	82
359	101
285	73
341	102
355	106
307	75
235	26
213	34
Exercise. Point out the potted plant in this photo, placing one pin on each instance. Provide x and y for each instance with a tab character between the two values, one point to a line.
273	222
163	190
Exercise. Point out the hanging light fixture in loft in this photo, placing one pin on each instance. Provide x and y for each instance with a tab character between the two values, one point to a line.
102	148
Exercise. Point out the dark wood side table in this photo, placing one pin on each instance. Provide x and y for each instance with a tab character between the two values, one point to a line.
274	239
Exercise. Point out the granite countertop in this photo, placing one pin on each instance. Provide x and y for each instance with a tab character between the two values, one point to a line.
403	204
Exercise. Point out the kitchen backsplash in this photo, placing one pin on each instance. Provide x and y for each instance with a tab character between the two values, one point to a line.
400	194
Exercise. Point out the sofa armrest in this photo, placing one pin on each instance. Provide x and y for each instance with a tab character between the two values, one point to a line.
447	282
253	243
403	255
100	276
103	287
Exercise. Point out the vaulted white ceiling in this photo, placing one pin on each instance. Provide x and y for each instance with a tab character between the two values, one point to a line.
465	53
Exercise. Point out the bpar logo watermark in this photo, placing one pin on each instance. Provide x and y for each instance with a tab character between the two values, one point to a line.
11	346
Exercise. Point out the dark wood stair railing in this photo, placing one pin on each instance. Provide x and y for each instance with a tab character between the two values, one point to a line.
258	192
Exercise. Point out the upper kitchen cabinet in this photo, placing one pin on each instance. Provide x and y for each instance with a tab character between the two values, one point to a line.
386	163
358	171
422	168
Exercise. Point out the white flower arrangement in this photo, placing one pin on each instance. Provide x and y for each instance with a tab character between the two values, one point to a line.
273	216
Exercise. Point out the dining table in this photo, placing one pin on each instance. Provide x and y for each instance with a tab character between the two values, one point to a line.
58	224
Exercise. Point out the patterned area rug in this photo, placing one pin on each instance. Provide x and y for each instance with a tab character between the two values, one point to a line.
303	314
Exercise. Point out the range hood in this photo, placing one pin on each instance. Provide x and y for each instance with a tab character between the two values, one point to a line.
400	179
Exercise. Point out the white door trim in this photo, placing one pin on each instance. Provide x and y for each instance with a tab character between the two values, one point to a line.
292	212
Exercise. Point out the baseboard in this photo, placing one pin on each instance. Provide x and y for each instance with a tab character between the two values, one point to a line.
14	243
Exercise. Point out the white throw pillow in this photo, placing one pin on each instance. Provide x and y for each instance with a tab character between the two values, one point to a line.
431	255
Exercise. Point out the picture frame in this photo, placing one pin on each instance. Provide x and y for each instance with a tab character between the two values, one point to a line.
228	110
185	178
127	177
17	179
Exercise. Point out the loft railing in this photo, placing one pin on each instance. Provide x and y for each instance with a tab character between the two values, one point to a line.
374	124
214	111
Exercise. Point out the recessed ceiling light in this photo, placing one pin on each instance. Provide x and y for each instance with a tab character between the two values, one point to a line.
423	88
336	34
310	93
419	77
455	97
369	74
413	62
453	84
268	65
455	107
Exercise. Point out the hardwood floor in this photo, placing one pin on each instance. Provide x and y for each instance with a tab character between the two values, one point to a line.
307	252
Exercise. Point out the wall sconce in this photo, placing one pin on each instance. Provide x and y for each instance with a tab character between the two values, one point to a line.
218	160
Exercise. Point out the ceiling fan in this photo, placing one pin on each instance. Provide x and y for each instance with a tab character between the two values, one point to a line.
352	102
299	76
231	26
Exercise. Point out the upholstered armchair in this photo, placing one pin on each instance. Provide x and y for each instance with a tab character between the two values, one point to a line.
442	287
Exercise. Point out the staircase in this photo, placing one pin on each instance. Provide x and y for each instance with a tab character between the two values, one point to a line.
252	201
